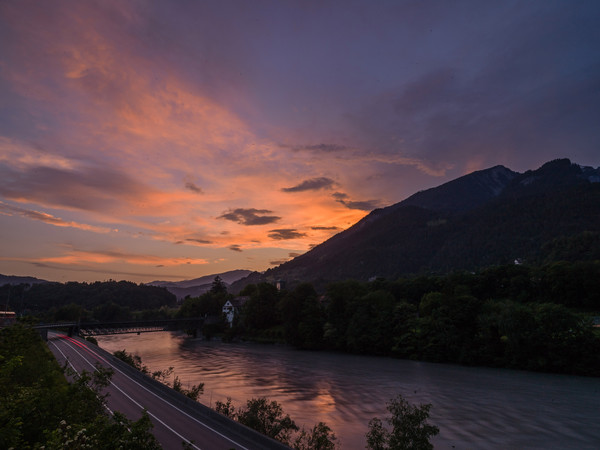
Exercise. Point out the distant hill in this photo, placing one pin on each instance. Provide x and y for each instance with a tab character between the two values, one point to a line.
489	217
199	286
15	280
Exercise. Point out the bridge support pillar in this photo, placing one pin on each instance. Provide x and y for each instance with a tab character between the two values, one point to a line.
43	333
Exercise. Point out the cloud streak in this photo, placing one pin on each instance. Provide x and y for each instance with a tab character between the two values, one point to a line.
285	234
49	219
192	187
318	148
250	216
312	184
80	256
365	205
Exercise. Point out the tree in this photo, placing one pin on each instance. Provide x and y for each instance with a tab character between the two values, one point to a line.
302	317
40	409
226	409
405	334
320	437
370	328
218	286
133	360
410	429
194	392
267	418
260	311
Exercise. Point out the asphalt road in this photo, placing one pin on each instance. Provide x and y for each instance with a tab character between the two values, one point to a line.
173	425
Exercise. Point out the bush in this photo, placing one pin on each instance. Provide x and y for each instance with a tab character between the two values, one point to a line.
410	429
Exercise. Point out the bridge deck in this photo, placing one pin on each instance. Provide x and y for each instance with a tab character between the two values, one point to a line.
140	326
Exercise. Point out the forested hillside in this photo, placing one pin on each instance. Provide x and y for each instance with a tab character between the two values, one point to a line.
109	300
486	218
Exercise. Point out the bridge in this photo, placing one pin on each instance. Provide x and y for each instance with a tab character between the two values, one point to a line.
193	325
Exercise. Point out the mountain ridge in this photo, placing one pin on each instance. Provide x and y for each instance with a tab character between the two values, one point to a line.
199	286
15	280
181	289
493	216
465	192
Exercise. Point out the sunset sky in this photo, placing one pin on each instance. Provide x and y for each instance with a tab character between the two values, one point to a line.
167	140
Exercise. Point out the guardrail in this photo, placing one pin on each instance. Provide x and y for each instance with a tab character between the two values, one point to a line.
249	437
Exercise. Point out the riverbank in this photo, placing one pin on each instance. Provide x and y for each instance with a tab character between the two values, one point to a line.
473	407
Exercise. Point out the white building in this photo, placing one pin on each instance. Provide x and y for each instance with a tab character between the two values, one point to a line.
232	307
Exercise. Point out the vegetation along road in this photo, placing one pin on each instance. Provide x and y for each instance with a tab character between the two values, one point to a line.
175	421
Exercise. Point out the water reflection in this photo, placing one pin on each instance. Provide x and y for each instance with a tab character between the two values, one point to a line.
474	408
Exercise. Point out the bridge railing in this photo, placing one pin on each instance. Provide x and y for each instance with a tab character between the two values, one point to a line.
131	326
139	326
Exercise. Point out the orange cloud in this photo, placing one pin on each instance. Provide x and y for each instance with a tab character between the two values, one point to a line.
138	146
75	256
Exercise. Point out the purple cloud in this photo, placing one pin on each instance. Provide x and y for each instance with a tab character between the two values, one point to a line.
92	188
313	184
193	187
250	216
366	205
319	148
198	241
285	234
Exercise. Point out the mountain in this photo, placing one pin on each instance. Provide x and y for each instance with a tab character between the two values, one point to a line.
488	217
199	286
464	193
14	280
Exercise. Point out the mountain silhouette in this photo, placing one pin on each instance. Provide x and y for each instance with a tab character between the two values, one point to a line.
489	217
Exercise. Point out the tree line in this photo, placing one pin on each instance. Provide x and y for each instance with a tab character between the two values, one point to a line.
105	301
515	316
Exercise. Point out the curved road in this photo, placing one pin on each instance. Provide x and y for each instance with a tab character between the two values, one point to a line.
174	422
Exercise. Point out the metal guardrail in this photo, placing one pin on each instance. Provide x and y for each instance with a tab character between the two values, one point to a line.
54	325
138	326
133	326
252	438
104	331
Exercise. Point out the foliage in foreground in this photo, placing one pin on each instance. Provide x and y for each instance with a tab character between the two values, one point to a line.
40	409
410	429
268	418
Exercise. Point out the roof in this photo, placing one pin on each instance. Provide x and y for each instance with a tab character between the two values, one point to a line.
238	302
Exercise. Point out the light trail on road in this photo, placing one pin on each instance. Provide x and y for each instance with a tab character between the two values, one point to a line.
173	426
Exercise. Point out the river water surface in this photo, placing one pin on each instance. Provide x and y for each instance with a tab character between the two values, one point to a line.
474	408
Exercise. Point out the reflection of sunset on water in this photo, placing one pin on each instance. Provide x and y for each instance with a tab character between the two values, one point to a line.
324	402
473	407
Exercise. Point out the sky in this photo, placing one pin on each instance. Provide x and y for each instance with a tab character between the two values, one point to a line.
167	140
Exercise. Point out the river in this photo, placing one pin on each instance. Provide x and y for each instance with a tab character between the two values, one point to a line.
474	408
